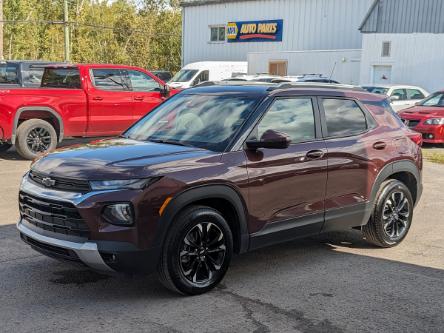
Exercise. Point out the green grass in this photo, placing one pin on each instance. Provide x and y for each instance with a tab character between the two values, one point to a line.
433	156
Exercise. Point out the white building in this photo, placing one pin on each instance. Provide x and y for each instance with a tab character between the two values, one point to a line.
354	41
304	25
403	42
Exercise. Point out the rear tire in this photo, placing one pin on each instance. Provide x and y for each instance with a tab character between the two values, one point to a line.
4	147
197	251
34	137
392	215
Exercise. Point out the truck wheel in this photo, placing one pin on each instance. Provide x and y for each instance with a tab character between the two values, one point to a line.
197	251
4	146
392	215
35	136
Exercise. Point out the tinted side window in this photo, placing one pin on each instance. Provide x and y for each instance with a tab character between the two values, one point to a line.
108	79
61	78
292	116
414	94
142	82
32	77
343	117
9	74
401	93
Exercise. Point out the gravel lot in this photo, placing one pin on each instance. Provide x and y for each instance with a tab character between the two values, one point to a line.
336	283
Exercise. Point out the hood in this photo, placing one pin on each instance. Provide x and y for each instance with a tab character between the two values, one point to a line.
120	159
423	112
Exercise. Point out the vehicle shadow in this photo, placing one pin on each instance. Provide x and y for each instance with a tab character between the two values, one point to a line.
306	284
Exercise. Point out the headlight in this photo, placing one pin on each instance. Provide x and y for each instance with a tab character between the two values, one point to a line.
119	214
434	121
129	184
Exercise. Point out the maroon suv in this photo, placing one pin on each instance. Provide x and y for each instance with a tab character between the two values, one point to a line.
225	169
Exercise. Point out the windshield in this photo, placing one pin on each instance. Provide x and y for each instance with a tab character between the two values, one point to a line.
436	99
202	121
184	75
377	90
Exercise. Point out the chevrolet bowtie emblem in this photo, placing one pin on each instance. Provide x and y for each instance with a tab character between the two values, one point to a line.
48	182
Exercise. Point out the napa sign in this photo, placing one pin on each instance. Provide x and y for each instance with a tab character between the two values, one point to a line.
255	31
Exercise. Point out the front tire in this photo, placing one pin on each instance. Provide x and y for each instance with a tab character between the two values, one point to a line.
35	136
197	251
392	215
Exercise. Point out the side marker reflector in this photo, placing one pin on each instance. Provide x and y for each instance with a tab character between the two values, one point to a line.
165	203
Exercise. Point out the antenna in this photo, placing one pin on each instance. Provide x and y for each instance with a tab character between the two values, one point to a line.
332	70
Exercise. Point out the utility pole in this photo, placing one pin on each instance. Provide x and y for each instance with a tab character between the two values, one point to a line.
66	30
1	30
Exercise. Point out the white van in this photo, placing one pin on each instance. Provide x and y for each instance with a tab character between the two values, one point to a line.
199	72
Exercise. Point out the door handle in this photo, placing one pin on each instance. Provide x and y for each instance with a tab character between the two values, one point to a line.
314	154
138	98
97	98
380	145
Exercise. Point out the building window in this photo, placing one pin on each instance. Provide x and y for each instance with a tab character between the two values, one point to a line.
217	33
386	49
278	67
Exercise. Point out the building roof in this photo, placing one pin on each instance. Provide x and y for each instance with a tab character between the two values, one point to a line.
190	3
404	16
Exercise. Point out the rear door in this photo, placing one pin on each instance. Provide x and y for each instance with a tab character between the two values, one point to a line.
287	186
110	102
356	149
145	92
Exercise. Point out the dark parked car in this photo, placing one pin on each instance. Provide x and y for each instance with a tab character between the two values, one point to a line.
225	169
165	76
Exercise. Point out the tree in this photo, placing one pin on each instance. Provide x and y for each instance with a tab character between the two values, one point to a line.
144	33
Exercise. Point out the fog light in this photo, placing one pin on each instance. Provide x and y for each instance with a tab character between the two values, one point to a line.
119	214
430	136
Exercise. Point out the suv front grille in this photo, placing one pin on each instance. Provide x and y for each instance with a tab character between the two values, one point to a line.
56	216
64	184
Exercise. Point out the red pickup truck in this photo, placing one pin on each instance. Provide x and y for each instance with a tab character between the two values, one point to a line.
76	101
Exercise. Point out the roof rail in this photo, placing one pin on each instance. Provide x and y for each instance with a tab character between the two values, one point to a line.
288	85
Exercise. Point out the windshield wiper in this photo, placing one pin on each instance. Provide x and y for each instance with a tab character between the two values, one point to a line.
169	142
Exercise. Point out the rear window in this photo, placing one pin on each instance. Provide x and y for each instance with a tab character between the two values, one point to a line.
61	78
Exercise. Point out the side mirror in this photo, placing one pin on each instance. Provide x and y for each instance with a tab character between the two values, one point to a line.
418	104
395	98
165	91
270	139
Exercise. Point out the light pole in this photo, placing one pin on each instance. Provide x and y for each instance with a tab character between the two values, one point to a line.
66	31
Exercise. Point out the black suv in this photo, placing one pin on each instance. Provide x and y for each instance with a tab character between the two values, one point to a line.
225	169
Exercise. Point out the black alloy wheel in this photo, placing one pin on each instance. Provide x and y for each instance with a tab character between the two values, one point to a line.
395	215
197	251
392	215
38	140
202	253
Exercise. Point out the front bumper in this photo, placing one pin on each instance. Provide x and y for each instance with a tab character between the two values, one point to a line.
430	133
106	248
86	252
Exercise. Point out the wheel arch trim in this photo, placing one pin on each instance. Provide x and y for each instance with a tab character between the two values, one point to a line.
393	168
214	191
36	108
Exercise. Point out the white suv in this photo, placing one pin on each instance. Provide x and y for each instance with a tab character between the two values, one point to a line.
401	96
